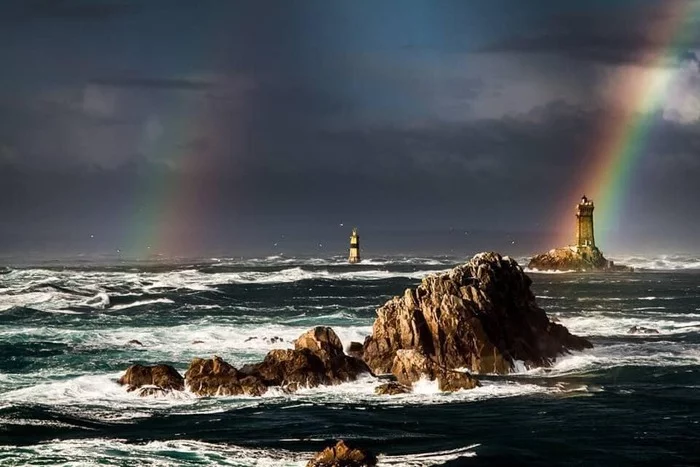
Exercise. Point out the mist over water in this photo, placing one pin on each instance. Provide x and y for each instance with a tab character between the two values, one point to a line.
65	332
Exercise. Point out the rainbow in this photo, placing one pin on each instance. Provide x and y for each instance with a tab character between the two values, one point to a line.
624	134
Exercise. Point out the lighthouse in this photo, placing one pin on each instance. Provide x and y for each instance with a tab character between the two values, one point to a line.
354	247
584	223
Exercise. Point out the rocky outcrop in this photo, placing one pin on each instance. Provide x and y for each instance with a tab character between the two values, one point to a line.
341	455
317	359
481	317
587	258
215	377
163	377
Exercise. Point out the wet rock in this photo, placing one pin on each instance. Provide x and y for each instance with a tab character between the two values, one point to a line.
197	342
162	376
392	389
317	359
250	339
151	391
480	316
342	455
450	381
355	349
134	342
215	377
274	340
642	330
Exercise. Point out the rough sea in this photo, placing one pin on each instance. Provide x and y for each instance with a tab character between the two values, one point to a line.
65	332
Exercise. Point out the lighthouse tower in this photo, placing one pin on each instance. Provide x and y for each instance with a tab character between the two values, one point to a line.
354	247
584	223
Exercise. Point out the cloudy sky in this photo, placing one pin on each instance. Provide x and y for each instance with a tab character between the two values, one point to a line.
256	127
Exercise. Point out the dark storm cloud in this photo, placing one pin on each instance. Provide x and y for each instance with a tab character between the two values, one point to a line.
615	35
154	83
77	9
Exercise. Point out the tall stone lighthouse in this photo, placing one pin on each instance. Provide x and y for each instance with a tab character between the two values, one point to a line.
354	247
584	223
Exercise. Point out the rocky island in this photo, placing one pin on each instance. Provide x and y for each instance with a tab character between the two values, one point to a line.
584	256
480	317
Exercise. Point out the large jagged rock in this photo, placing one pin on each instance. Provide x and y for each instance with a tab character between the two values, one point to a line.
480	316
162	377
586	258
341	455
317	359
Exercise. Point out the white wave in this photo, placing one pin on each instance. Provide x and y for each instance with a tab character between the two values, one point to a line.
141	303
548	271
651	354
607	324
660	262
98	451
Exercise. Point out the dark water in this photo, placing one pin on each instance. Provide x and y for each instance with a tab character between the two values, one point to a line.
64	333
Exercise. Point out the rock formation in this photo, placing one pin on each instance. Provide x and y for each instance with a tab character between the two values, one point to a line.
341	455
317	358
481	316
588	258
162	377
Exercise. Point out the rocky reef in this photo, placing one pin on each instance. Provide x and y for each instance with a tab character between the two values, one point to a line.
479	317
342	455
581	258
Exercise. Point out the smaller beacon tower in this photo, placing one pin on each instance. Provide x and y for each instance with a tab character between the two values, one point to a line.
354	247
584	221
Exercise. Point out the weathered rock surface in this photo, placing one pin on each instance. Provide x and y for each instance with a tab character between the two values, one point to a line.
391	389
163	377
215	377
481	316
342	455
317	359
588	258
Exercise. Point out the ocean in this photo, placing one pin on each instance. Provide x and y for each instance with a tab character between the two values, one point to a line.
67	332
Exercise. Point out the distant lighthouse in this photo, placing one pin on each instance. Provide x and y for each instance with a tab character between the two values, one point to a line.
354	247
584	223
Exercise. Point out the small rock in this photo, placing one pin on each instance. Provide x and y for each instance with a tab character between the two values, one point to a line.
392	389
197	342
342	455
355	349
162	376
134	342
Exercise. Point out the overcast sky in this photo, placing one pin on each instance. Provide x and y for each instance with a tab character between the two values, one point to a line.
255	127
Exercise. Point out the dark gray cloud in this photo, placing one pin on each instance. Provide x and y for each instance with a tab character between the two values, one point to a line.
76	9
179	84
617	35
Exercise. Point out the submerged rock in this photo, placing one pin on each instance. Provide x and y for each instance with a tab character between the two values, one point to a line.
134	342
317	359
581	258
163	377
341	455
392	389
642	330
480	316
